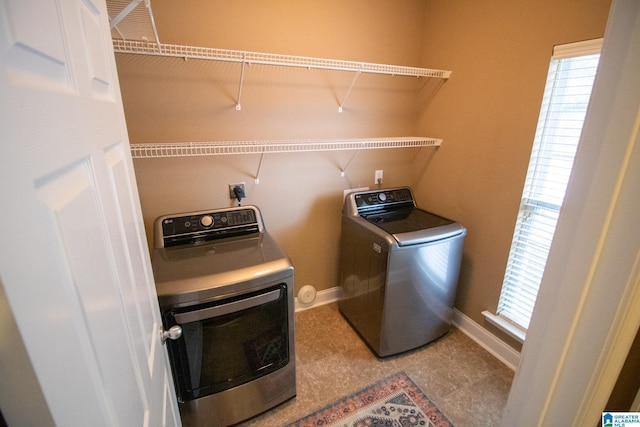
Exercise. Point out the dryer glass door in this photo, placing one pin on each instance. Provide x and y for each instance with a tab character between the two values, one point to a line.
228	343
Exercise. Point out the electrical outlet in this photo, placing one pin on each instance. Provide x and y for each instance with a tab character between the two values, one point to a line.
378	177
239	188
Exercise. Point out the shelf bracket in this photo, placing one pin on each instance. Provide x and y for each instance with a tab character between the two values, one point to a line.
353	82
343	172
257	180
244	62
123	13
147	4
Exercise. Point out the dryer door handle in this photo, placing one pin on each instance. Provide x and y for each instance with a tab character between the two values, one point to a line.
231	307
173	333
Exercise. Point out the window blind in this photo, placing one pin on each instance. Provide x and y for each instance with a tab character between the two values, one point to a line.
566	96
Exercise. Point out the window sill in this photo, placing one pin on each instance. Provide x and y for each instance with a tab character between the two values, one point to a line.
507	327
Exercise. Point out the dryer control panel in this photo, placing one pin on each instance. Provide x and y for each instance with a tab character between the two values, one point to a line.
189	228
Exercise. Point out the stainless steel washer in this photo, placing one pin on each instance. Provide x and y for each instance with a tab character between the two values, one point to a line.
224	281
399	268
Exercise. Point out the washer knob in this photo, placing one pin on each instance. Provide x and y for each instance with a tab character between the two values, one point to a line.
206	221
382	197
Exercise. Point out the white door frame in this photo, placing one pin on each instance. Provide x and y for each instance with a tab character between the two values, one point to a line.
587	313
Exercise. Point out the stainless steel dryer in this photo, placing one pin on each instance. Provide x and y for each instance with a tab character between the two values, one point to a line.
228	287
399	268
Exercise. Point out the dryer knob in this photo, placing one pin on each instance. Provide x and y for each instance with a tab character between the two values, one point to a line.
206	221
382	197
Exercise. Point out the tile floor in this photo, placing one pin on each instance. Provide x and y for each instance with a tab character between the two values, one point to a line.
468	384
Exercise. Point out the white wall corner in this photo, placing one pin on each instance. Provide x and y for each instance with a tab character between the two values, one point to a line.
494	345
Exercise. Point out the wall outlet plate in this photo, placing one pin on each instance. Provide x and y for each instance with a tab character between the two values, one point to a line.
232	191
378	177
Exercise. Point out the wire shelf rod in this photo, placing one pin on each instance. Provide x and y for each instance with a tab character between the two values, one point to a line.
238	104
214	54
355	77
188	149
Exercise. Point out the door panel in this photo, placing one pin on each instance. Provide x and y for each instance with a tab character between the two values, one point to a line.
90	284
96	58
74	263
36	55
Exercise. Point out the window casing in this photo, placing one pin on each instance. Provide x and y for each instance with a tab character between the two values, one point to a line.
566	97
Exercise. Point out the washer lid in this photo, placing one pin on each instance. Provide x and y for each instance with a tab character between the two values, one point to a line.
414	226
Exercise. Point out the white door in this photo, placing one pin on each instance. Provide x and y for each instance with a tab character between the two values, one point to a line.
74	264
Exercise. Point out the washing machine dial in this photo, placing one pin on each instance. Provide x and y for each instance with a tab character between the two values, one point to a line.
382	197
206	221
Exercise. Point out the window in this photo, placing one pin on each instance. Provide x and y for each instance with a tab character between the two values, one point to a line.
566	97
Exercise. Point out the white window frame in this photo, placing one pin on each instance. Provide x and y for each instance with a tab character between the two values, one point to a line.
562	113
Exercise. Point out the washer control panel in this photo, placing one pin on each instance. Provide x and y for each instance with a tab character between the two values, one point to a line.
189	228
383	198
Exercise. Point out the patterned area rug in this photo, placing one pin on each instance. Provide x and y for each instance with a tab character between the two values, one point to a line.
393	401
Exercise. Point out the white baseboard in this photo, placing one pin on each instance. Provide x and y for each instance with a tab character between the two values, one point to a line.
488	341
325	296
501	351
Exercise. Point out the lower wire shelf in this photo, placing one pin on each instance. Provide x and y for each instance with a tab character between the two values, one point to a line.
188	149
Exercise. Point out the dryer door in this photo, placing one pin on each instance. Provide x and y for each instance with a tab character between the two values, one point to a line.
228	343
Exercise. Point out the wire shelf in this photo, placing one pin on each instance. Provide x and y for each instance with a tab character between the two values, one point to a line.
188	149
132	20
214	54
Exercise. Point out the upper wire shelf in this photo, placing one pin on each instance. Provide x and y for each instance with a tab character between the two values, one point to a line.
186	149
132	19
214	54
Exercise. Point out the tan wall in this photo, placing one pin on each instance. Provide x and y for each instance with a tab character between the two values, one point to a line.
300	195
486	114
